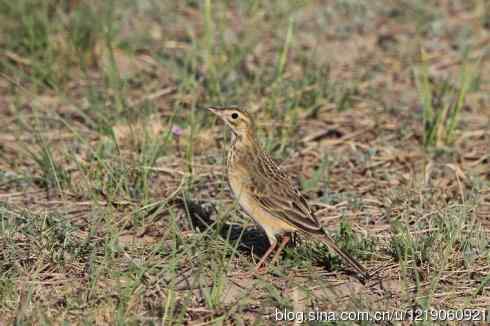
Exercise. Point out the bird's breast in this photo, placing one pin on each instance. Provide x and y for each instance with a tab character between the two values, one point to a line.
242	186
238	179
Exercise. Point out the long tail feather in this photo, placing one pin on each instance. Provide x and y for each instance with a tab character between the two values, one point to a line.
326	239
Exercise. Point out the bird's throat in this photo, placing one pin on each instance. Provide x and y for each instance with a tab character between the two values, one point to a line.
244	143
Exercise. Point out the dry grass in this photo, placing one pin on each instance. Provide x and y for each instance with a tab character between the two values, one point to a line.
113	201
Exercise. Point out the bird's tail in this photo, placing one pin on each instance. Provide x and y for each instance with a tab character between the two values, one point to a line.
327	239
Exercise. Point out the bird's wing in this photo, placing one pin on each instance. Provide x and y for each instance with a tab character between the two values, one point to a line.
276	193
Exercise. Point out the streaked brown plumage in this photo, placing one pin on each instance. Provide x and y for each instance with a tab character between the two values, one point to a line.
265	192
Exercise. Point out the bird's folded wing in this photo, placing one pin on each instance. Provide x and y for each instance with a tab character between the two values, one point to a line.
276	193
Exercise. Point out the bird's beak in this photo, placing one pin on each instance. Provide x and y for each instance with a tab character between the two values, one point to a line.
215	110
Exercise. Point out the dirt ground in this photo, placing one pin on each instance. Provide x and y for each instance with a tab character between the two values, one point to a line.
114	206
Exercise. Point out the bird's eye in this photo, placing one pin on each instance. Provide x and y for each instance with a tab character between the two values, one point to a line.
234	115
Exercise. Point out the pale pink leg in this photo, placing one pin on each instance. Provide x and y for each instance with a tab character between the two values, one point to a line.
284	242
273	244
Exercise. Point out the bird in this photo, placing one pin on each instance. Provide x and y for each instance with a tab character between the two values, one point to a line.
266	193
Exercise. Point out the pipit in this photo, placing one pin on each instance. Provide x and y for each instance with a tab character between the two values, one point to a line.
265	191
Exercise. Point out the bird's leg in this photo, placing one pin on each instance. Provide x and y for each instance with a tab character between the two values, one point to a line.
273	245
284	242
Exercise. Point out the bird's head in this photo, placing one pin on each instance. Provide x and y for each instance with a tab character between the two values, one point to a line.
239	121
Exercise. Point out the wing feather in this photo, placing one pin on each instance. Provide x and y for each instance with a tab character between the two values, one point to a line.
277	194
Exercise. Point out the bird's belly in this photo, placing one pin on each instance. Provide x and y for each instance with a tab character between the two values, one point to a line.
241	188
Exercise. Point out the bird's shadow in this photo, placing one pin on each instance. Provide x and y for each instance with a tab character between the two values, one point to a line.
251	240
